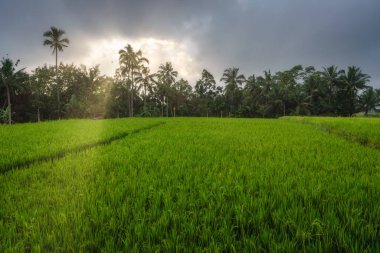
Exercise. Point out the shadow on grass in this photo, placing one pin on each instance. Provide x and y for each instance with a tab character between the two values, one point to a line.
63	153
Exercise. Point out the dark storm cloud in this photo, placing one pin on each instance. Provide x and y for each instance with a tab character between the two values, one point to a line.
252	35
136	18
277	36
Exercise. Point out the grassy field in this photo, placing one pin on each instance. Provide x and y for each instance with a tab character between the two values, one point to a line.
193	184
365	131
26	143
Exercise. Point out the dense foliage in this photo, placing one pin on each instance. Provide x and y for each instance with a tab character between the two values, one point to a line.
71	91
244	185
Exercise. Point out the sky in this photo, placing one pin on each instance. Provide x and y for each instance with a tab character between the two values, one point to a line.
253	35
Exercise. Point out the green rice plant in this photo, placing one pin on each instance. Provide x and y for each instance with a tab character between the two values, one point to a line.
239	185
24	144
365	131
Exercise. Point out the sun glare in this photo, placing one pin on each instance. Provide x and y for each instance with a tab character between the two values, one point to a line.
105	53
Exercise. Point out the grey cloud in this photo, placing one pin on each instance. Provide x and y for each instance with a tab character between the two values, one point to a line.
253	35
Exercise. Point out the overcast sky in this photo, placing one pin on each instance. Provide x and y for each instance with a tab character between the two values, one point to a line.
254	35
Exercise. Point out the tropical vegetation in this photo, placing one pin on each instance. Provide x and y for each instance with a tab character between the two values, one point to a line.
57	43
70	91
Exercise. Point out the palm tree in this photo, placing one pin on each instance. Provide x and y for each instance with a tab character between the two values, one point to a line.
314	90
233	82
131	63
145	79
353	81
166	74
278	97
126	57
166	77
10	79
331	75
57	43
39	84
369	100
205	91
265	84
206	84
302	102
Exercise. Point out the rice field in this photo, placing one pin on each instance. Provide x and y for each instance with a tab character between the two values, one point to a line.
190	184
26	143
365	131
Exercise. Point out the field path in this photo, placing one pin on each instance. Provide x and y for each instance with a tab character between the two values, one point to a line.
21	164
363	131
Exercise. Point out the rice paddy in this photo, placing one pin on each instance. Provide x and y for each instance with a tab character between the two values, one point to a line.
190	184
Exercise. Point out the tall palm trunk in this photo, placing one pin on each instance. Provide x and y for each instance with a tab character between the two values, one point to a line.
330	94
58	88
352	102
9	105
38	115
132	95
129	90
144	98
56	42
129	102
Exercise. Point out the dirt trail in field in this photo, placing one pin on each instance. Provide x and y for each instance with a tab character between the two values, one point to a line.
63	153
348	136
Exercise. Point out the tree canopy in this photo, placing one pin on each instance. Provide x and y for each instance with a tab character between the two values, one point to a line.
135	90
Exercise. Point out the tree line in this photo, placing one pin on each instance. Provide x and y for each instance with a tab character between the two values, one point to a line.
70	91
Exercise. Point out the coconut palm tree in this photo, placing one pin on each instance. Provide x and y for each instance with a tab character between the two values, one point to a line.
145	79
166	78
205	91
369	100
11	80
331	75
302	102
313	86
206	84
131	63
126	61
353	81
166	74
233	81
54	39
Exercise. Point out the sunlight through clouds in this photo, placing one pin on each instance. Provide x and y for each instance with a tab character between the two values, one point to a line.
181	53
